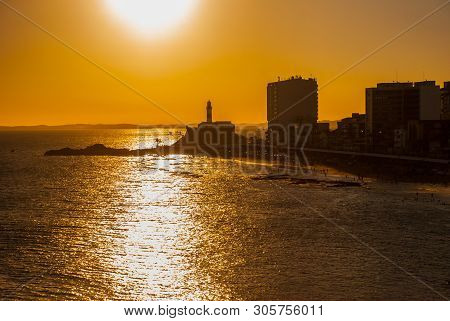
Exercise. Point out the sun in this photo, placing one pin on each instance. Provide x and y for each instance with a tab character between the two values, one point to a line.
151	17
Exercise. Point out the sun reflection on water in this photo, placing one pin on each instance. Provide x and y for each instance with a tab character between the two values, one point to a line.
197	228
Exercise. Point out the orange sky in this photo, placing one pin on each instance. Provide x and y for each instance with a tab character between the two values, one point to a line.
226	50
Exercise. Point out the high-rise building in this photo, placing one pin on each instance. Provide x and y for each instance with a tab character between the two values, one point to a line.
292	101
390	106
290	104
445	98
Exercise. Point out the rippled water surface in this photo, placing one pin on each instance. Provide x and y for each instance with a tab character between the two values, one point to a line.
179	227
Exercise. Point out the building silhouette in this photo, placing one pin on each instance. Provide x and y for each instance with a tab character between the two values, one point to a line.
389	108
445	100
214	138
429	138
291	103
350	134
219	133
401	118
209	110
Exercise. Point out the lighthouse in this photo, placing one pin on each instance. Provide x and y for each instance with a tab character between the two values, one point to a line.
218	134
209	117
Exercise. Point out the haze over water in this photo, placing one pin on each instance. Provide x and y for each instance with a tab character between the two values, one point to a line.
179	227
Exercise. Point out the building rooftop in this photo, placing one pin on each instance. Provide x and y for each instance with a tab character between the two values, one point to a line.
216	124
395	85
293	78
427	83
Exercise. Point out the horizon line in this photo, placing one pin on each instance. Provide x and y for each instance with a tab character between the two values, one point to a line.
128	125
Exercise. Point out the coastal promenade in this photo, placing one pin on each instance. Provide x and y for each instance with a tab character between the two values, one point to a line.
375	155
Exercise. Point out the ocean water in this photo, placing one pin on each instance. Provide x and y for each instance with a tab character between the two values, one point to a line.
197	228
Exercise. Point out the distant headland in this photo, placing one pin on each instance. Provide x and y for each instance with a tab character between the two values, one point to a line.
89	126
214	138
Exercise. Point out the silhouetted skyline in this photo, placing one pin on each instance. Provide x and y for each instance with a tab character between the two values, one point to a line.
225	50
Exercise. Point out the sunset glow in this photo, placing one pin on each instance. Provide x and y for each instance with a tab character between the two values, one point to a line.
151	17
181	53
167	157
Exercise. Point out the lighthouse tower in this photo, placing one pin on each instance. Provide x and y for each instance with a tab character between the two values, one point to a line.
221	134
209	117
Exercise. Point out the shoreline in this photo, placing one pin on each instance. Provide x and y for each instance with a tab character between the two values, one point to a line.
394	169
